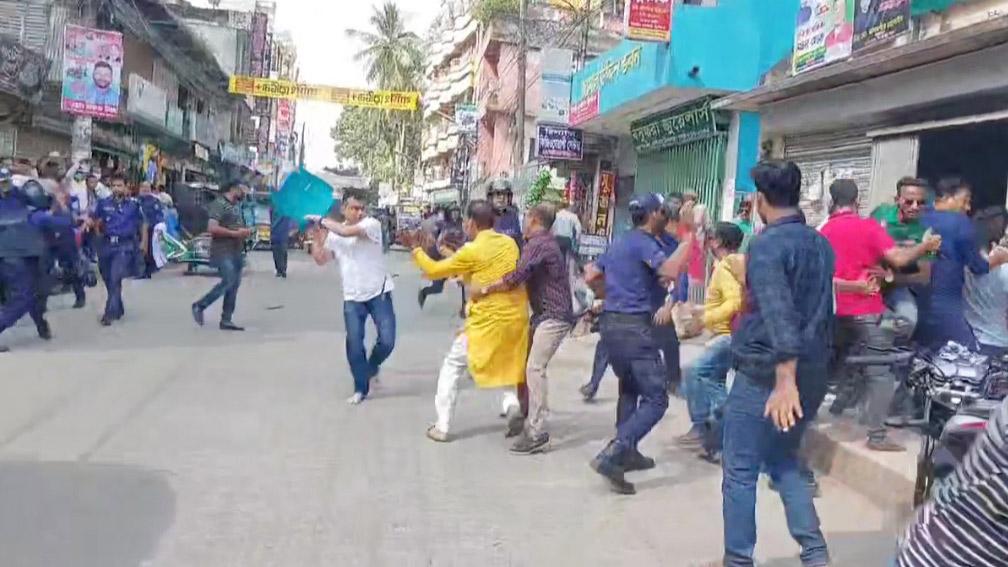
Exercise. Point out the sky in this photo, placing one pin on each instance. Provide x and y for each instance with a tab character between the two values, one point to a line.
325	56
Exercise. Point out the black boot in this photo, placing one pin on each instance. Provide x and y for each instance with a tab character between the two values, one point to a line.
608	463
633	460
80	302
44	331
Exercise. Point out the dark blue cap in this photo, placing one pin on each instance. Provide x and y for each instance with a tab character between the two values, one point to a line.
647	202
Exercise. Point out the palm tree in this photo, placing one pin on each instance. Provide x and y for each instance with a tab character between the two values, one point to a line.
391	54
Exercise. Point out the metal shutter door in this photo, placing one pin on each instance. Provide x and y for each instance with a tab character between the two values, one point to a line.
824	157
33	15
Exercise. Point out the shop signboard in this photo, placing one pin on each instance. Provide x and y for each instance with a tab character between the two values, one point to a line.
592	245
559	143
585	109
878	21
201	152
607	193
466	119
281	89
237	155
824	33
263	136
680	125
146	101
649	20
92	72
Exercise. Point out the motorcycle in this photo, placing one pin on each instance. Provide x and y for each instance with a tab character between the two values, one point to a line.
961	390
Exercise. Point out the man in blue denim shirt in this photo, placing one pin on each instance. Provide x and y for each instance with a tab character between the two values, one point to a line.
780	353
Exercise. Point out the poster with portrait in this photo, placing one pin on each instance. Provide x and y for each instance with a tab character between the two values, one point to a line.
824	33
92	72
878	21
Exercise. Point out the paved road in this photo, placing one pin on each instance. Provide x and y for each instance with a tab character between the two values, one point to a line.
157	443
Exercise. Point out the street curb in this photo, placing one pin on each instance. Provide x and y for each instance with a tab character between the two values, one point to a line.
884	485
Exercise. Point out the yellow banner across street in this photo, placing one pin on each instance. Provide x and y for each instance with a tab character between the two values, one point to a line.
274	88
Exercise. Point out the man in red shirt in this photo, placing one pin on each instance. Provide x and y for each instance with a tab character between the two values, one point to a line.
862	249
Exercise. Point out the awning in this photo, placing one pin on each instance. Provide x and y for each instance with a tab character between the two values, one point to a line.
860	68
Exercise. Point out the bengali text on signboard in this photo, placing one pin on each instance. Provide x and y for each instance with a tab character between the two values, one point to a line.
824	33
680	125
92	72
559	142
649	20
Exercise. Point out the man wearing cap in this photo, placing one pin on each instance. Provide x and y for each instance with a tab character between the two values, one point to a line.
862	248
24	213
632	271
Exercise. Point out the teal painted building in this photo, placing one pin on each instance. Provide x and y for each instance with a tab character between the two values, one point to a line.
646	95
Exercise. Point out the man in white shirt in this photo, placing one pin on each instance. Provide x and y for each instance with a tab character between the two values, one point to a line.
356	244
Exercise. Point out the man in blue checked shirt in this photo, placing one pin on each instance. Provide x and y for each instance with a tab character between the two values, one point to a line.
780	352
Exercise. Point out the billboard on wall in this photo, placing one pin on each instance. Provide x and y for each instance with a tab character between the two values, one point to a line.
92	72
277	88
877	21
824	33
648	20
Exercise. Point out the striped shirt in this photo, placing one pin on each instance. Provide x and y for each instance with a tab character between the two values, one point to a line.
966	522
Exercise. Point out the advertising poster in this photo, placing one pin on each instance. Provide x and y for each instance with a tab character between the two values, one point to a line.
92	72
824	33
649	20
559	142
257	53
877	21
467	119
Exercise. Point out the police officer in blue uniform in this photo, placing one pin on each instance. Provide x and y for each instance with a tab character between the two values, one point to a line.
632	271
24	215
508	221
153	211
120	222
63	249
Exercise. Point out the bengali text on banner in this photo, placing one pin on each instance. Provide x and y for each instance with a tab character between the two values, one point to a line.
273	88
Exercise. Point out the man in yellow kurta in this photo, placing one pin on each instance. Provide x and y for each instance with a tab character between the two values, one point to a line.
494	343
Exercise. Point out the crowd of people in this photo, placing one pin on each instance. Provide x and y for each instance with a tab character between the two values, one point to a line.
784	305
59	221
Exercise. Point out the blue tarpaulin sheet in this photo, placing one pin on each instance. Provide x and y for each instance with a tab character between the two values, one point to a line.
303	194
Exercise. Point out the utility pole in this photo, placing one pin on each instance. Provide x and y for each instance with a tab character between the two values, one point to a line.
80	134
522	67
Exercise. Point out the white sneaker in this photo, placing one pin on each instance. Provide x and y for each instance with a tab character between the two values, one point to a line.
355	399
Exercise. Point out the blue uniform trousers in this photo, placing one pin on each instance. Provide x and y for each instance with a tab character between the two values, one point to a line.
115	262
20	277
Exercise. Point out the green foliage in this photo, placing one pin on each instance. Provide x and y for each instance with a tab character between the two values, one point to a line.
385	144
538	189
486	10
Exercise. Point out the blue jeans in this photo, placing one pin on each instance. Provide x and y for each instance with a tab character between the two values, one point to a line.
752	443
116	262
20	277
230	270
636	360
704	380
355	314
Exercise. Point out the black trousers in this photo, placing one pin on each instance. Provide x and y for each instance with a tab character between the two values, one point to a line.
280	257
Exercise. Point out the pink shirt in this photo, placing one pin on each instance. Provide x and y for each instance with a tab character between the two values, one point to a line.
859	245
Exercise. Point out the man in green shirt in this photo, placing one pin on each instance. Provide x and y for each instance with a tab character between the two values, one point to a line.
902	221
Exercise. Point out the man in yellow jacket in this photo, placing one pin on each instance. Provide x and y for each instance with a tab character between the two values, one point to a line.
493	346
704	382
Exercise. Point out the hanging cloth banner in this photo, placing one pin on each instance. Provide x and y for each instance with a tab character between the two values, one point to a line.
274	88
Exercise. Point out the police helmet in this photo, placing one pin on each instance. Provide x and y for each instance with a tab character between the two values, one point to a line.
35	195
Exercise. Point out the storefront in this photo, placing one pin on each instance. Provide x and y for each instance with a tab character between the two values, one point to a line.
683	151
929	104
